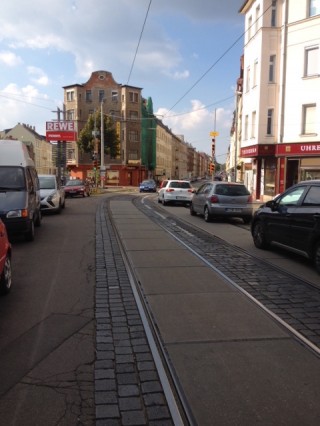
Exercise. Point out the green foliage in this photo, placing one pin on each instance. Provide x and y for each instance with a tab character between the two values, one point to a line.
111	141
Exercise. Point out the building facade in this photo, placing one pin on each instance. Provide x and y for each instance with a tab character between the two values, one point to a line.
280	120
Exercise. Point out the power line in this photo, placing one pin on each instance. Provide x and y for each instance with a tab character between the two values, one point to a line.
135	55
218	60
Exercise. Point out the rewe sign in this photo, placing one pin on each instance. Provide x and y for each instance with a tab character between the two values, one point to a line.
61	131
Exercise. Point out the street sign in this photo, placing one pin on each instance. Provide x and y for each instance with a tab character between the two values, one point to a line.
214	134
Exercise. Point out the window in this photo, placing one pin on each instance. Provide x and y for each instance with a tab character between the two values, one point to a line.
253	125
257	17
88	96
274	13
133	115
70	95
292	198
309	119
133	97
255	72
314	7
101	95
114	96
249	27
272	64
248	80
312	197
246	121
311	67
270	122
133	136
133	155
70	114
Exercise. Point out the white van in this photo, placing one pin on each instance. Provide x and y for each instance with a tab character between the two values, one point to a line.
19	190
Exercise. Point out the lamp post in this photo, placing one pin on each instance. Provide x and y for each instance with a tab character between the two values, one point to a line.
238	95
102	166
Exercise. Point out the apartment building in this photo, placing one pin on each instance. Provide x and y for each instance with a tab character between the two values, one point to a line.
123	104
280	125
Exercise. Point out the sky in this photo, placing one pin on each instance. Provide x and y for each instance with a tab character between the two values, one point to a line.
184	54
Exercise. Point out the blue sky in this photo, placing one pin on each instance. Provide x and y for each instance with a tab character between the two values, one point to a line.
188	59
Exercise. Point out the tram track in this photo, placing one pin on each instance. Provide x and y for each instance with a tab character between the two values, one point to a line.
291	301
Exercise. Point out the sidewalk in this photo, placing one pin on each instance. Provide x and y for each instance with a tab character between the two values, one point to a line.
234	363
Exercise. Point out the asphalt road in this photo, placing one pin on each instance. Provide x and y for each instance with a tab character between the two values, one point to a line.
46	323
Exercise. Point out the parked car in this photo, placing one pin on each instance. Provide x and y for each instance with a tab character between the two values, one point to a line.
176	192
52	194
77	187
148	185
291	221
5	260
222	199
19	190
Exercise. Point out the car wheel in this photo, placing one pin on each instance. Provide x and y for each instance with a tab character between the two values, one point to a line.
159	201
29	236
164	202
6	277
259	236
192	212
207	215
317	257
247	219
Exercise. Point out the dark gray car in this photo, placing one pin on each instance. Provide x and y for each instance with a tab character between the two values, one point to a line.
291	221
222	199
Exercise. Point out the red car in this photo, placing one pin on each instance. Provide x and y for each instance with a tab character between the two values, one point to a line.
77	187
5	260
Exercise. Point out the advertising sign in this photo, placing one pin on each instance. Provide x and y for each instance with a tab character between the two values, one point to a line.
61	131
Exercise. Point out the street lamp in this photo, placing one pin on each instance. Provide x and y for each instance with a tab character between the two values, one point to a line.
102	166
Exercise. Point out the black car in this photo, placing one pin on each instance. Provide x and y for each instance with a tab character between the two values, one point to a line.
291	221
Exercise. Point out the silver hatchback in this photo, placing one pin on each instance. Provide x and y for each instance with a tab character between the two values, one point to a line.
222	199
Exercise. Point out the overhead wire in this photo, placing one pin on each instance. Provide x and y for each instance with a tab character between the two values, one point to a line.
140	37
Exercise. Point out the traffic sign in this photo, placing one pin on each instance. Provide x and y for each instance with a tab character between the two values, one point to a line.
214	134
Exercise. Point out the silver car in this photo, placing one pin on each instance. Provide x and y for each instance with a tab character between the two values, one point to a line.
52	194
222	199
176	192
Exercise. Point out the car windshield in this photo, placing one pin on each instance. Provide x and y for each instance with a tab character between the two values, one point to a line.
147	182
231	190
183	185
11	178
47	182
74	183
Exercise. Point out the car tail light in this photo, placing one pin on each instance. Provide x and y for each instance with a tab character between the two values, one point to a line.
214	199
189	190
169	190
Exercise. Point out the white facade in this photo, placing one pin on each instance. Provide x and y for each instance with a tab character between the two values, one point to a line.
281	95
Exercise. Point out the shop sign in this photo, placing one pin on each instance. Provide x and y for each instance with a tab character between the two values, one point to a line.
61	131
257	150
298	149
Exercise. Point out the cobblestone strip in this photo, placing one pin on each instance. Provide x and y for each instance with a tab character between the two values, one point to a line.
127	386
294	301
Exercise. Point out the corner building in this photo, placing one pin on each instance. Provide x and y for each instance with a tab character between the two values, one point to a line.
281	94
121	102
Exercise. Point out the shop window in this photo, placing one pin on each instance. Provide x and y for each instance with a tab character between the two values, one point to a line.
270	176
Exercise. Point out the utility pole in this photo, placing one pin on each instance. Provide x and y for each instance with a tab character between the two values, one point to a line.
102	166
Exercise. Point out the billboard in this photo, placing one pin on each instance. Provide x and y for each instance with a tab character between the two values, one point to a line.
61	131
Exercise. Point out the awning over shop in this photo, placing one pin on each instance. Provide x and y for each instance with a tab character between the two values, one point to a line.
259	150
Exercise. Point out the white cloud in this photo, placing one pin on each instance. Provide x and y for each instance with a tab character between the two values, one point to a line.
38	76
10	59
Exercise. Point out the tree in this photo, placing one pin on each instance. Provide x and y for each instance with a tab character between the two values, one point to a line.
86	140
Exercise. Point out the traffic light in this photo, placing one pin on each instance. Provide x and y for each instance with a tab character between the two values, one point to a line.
213	147
95	164
212	167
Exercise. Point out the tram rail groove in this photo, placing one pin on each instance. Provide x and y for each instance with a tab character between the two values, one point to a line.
177	403
294	303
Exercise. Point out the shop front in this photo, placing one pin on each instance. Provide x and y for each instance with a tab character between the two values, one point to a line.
261	177
297	162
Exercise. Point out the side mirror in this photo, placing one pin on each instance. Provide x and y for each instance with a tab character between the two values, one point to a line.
271	204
